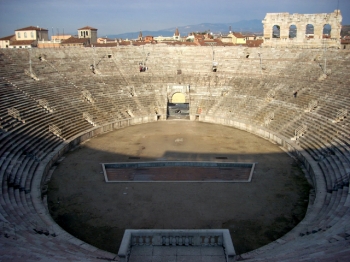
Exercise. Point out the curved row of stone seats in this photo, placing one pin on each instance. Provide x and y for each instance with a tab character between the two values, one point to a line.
47	247
177	59
17	151
311	247
336	200
17	207
244	100
90	84
11	181
43	90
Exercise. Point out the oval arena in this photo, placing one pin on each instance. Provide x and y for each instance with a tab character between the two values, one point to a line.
61	118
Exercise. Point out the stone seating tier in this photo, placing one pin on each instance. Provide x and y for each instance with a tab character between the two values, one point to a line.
238	91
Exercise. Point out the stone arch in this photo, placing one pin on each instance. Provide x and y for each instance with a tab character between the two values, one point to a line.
327	29
293	30
276	31
178	98
309	31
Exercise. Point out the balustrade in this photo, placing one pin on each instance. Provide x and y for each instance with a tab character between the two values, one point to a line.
191	237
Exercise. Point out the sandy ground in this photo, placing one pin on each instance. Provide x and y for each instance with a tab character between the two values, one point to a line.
256	213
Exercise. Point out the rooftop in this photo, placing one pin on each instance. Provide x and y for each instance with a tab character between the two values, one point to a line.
36	28
87	27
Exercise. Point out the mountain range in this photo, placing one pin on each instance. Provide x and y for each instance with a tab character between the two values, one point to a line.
244	26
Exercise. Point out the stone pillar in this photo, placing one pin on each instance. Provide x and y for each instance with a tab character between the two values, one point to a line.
267	30
300	32
284	31
318	31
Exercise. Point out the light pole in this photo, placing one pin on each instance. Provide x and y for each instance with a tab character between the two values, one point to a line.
260	62
30	61
324	55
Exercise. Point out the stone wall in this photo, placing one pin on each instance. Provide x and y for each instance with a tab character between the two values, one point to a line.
316	40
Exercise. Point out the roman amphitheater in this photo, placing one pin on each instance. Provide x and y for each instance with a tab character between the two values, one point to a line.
65	111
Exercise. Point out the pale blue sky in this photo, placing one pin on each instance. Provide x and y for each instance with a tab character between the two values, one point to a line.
120	16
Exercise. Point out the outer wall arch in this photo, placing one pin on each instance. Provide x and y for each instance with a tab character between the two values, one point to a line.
327	31
293	30
42	173
276	31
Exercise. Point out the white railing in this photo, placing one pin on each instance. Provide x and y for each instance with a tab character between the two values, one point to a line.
174	237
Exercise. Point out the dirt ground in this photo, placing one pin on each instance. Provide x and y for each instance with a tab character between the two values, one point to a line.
256	213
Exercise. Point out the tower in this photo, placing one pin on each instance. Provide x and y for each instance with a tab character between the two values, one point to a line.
140	36
176	34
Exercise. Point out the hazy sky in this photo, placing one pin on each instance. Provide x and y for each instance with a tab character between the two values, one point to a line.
120	16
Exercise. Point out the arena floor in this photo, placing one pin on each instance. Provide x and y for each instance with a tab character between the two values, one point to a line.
256	213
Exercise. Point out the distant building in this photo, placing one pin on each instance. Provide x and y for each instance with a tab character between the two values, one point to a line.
237	38
226	39
27	37
60	37
254	43
176	36
345	42
32	33
88	32
55	42
76	42
250	37
5	41
105	40
140	37
149	39
86	36
190	38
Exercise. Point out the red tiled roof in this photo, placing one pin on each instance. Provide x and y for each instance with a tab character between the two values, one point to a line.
22	42
238	35
87	27
254	43
74	40
179	43
106	45
7	37
32	28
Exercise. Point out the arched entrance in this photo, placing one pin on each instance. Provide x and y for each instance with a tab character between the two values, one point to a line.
178	98
177	107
